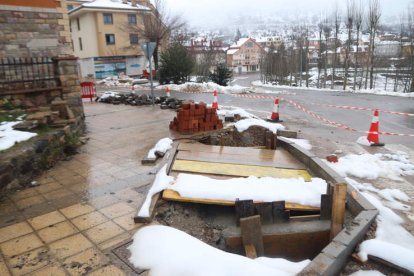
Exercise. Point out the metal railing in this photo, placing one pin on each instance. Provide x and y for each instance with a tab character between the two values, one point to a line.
20	75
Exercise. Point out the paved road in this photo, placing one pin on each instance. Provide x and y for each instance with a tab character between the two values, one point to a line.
317	130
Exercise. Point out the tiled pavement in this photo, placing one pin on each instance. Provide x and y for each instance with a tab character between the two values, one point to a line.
84	207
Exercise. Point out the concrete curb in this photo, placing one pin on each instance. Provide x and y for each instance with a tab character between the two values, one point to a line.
335	255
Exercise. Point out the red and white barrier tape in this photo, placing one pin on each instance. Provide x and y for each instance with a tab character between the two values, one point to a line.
366	109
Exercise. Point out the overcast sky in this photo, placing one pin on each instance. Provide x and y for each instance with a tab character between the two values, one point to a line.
216	12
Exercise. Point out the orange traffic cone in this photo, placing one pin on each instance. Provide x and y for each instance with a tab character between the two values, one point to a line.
167	92
275	114
373	135
215	102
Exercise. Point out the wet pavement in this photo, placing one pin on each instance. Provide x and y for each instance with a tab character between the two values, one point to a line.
83	207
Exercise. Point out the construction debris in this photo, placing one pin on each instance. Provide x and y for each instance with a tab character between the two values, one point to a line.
138	100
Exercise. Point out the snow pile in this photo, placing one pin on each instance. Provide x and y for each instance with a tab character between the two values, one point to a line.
112	81
392	242
367	273
109	94
161	182
363	140
265	189
207	87
230	111
168	251
301	142
243	125
162	146
369	166
9	136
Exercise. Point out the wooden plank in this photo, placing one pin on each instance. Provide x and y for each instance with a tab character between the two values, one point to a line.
175	196
279	160
394	266
238	170
244	208
326	206
304	218
279	212
251	233
264	210
250	251
338	209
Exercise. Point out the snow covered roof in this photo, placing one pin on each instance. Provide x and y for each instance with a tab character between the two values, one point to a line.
232	51
111	4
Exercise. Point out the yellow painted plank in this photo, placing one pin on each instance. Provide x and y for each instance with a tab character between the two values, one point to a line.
237	170
175	196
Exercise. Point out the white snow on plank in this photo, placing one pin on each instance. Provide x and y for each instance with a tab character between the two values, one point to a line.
301	142
168	251
162	145
243	125
367	273
231	111
9	137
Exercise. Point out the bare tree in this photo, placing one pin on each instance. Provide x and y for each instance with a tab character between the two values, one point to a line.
306	38
158	25
374	15
359	11
337	25
320	30
349	23
410	30
327	33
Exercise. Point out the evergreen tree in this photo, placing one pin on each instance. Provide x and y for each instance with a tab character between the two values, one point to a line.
176	64
221	75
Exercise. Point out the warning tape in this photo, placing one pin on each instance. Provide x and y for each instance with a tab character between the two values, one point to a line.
365	109
335	124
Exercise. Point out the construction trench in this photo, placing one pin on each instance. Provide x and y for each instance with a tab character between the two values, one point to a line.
327	235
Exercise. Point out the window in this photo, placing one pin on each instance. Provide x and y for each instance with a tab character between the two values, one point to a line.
80	44
69	7
132	19
78	23
110	39
250	44
133	38
107	18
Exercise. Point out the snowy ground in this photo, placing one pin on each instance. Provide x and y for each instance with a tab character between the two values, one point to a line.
9	137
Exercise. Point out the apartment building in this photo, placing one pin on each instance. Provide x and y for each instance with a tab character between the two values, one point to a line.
244	56
106	38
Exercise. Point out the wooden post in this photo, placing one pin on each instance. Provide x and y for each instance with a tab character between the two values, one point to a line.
244	208
268	139
326	206
279	212
264	209
251	232
338	209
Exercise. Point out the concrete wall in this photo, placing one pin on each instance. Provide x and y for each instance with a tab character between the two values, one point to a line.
86	67
87	33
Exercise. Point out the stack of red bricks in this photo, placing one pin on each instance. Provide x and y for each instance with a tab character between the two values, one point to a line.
193	118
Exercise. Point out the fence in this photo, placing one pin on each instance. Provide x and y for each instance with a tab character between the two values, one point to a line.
26	75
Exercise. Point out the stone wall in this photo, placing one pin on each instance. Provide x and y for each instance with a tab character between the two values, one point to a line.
34	32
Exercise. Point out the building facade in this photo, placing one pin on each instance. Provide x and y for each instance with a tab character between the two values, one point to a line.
106	38
244	56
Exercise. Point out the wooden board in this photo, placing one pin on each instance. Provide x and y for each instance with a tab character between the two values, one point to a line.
251	233
237	170
175	196
281	159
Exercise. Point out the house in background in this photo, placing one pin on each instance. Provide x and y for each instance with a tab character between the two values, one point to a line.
105	37
244	56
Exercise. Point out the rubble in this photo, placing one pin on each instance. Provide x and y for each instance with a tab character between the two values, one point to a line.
138	100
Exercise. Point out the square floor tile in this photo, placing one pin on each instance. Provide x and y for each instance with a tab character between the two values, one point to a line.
29	261
110	270
57	231
103	232
69	246
50	270
3	269
30	201
21	244
78	188
77	210
82	263
14	231
24	194
56	194
45	188
115	241
89	220
127	222
46	220
117	210
73	181
103	201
